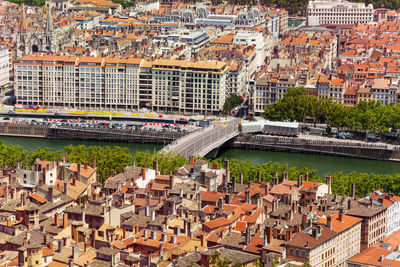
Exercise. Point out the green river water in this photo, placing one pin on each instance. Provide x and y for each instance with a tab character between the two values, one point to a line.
324	164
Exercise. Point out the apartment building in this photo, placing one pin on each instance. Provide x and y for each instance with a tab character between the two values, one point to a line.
72	82
4	67
330	242
188	87
322	12
384	90
385	253
373	225
121	84
269	89
249	38
392	203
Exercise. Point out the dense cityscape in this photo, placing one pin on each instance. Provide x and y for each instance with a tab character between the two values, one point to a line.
195	79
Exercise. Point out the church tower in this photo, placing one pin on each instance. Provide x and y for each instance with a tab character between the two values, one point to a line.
49	42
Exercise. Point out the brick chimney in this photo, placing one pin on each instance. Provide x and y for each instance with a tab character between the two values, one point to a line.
340	216
65	220
74	180
144	174
306	177
299	182
269	234
44	174
94	163
289	234
56	219
85	166
294	206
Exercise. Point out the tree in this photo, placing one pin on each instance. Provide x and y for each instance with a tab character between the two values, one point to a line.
216	261
275	261
231	102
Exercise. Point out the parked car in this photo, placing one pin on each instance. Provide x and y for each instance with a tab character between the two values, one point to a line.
373	138
343	135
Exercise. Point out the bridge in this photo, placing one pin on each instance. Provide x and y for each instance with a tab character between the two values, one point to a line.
201	142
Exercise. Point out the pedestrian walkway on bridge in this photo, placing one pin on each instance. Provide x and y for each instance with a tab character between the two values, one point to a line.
202	141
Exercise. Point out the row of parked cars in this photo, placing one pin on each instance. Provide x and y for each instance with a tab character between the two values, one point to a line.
95	124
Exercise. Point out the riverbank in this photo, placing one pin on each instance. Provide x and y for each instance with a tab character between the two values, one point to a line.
89	134
324	164
317	145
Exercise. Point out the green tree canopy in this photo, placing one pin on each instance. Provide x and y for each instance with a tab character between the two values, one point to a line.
231	102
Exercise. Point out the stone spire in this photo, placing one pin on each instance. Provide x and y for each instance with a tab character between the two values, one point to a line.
49	22
23	22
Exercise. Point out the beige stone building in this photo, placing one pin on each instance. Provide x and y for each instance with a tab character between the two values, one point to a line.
329	242
373	227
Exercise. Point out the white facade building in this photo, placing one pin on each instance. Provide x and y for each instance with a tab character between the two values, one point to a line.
121	84
4	67
393	211
248	38
323	12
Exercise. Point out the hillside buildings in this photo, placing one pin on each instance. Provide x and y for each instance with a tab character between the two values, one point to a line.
59	213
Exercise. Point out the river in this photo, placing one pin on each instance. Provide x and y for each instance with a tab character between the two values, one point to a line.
324	164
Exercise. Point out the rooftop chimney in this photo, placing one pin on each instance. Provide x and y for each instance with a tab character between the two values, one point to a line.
220	203
299	182
78	172
85	166
171	180
144	174
199	201
247	196
94	163
340	216
353	189
248	236
289	233
329	222
259	176
56	219
155	166
173	239
65	220
329	183
234	183
226	164
241	177
306	176
294	206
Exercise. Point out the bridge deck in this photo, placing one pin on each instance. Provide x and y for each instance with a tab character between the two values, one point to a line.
202	141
